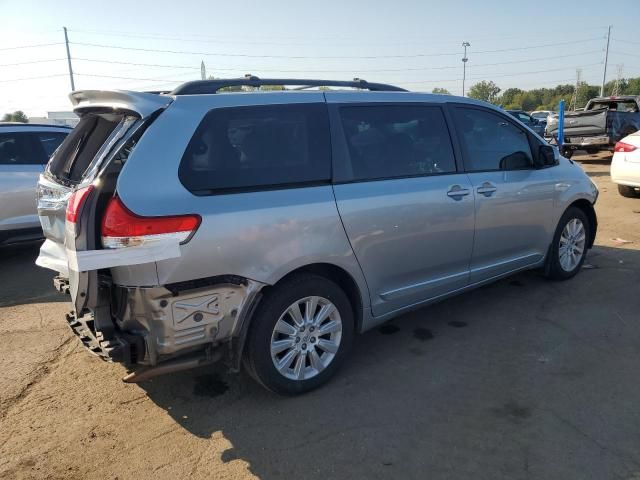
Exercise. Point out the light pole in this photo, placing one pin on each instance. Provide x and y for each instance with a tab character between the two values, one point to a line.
464	64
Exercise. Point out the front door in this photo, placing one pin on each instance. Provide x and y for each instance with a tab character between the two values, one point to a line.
513	200
406	209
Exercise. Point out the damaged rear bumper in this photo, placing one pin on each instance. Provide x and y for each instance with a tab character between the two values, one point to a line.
161	326
118	347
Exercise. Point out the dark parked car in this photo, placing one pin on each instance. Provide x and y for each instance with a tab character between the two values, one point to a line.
533	123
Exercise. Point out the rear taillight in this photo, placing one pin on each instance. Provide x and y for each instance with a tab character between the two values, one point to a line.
624	147
123	228
76	200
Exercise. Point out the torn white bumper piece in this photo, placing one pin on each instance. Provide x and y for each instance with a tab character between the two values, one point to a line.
54	257
61	259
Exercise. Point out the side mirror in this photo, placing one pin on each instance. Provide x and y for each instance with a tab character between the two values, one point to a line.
515	161
546	156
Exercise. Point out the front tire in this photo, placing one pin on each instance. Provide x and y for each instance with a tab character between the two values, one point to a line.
569	247
566	152
628	192
300	335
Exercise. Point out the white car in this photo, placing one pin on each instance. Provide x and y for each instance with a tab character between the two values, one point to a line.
541	115
625	166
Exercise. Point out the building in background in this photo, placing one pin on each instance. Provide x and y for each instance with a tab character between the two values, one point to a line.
57	118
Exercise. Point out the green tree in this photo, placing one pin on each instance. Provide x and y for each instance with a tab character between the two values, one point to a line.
486	91
633	86
508	98
441	91
17	116
585	93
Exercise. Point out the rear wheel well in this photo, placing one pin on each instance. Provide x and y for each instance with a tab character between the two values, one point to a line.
587	207
339	276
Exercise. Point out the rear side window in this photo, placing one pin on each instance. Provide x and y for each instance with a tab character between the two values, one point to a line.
81	146
266	146
491	142
392	141
21	148
50	141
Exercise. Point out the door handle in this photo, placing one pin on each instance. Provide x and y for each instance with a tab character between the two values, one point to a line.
486	189
456	192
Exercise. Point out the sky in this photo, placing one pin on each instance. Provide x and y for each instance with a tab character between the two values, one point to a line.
151	45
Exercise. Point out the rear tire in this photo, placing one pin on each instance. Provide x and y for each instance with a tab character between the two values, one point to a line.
569	247
287	351
628	192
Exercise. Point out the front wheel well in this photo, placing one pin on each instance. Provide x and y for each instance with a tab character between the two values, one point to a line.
587	207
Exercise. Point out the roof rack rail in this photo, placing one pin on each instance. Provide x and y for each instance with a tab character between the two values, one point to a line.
201	87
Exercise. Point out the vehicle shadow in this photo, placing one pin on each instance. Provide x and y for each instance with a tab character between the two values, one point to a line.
22	281
594	160
477	383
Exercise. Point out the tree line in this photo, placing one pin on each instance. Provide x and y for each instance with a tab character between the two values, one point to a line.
17	116
545	98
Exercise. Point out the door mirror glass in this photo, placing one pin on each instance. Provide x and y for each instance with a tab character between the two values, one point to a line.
546	156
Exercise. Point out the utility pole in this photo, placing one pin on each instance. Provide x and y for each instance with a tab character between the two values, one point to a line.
464	64
66	42
606	59
618	85
573	103
203	71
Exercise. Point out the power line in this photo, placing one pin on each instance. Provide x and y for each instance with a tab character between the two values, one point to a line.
534	72
32	78
33	61
352	70
627	41
31	46
129	78
626	54
223	39
316	57
538	46
400	81
311	57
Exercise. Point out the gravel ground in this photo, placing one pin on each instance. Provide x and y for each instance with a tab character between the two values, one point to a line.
522	379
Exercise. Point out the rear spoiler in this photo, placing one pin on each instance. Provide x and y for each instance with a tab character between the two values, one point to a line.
142	104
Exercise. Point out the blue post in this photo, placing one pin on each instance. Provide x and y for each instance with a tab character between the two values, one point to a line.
561	124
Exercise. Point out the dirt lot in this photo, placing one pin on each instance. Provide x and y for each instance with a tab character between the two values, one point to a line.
523	379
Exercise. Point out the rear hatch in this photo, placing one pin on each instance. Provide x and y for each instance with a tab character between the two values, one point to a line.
580	124
107	128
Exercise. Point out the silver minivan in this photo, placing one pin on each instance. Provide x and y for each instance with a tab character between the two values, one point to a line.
268	228
25	149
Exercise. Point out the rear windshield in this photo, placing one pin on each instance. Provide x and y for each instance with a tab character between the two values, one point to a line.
620	106
76	153
269	146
